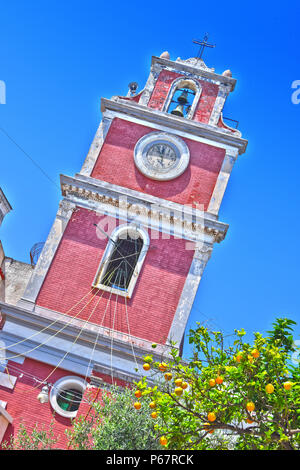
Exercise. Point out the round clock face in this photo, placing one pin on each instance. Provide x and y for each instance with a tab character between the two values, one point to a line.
161	156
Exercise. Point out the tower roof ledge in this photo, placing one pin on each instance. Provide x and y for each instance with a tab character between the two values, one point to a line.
195	67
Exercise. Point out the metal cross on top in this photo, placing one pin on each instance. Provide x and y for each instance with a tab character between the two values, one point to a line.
202	45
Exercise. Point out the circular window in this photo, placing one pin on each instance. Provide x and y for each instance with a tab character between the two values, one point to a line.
66	396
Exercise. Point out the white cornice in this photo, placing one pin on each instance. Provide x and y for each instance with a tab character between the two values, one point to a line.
55	324
154	212
197	71
150	115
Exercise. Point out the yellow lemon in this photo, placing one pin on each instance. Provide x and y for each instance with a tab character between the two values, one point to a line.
287	385
178	382
255	353
211	416
269	388
250	406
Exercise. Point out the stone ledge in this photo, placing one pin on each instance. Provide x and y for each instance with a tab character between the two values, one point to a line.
212	133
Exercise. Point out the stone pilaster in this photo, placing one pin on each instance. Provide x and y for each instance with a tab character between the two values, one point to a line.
202	254
36	280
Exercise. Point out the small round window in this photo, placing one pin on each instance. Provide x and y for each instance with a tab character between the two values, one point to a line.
66	395
69	399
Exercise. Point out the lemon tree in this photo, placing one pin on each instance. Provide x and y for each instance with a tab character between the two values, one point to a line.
243	396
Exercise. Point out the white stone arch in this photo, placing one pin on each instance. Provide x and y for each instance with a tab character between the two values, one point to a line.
189	83
122	231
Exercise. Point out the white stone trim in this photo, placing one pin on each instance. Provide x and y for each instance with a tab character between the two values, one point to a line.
34	326
219	104
40	271
66	383
222	181
188	68
5	207
117	233
160	120
7	380
150	211
96	146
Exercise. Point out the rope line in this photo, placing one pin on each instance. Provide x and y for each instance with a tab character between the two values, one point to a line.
50	337
78	335
50	324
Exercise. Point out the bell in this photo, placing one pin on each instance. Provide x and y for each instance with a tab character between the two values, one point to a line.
178	111
183	98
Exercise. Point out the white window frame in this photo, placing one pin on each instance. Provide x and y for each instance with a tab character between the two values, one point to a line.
117	233
184	83
65	383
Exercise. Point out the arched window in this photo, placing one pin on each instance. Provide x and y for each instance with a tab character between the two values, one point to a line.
182	98
122	260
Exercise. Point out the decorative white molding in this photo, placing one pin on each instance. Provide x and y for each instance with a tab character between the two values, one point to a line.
194	67
213	134
183	220
57	332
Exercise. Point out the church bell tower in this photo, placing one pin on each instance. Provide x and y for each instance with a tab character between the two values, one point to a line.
134	230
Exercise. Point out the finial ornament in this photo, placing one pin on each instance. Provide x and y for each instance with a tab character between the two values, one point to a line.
165	55
227	73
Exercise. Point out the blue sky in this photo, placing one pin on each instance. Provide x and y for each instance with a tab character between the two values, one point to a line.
59	58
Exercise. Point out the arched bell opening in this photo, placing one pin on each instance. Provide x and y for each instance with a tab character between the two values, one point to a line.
183	98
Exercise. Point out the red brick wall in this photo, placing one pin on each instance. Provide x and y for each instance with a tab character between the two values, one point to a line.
22	403
206	101
195	185
24	407
157	291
